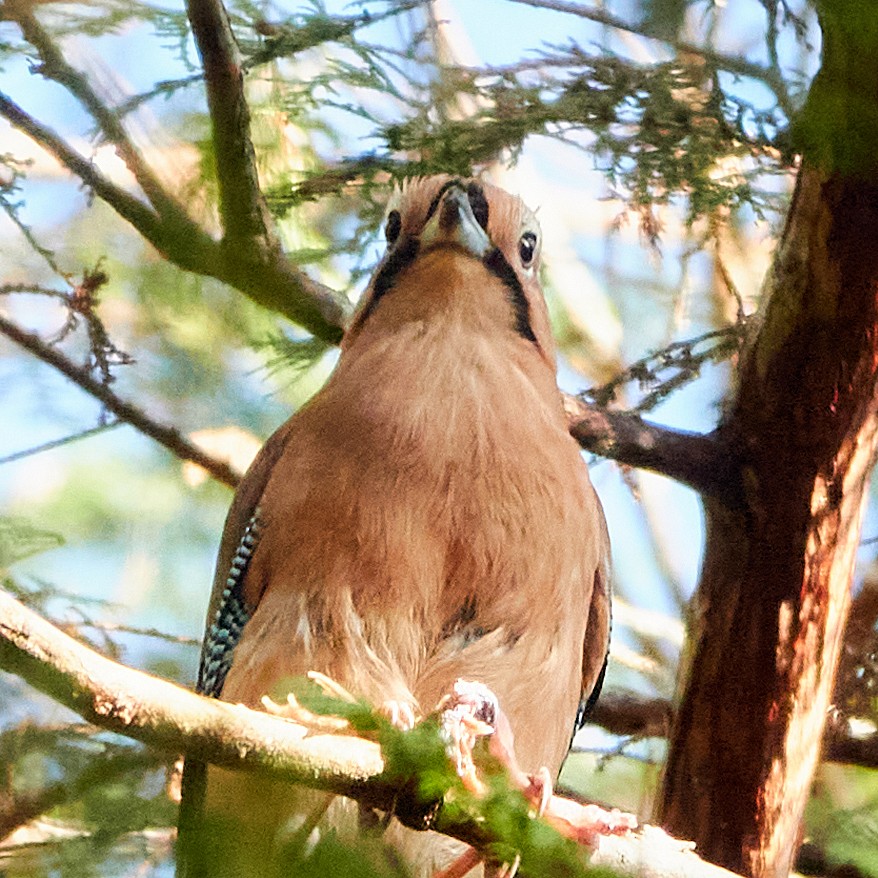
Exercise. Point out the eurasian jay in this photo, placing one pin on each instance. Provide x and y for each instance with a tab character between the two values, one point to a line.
426	517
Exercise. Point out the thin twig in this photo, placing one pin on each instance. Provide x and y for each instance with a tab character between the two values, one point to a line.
169	437
55	67
731	63
58	443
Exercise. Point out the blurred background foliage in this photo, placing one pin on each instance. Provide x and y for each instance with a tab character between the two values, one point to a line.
652	137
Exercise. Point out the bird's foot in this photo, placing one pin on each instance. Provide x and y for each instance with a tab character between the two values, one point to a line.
400	713
469	712
291	709
296	712
472	711
581	821
586	823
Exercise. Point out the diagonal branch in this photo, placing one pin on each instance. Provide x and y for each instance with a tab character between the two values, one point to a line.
173	719
703	462
55	67
169	437
191	251
130	208
273	283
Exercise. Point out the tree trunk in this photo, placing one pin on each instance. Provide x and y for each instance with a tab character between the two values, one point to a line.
769	616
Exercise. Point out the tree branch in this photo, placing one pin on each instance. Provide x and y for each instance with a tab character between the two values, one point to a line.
245	217
55	67
699	461
731	63
631	715
704	462
274	283
169	437
191	251
175	720
251	252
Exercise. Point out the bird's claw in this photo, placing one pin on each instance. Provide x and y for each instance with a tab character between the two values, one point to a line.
297	713
585	823
540	790
294	711
468	712
400	713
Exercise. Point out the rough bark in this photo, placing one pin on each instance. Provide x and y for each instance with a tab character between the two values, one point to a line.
769	616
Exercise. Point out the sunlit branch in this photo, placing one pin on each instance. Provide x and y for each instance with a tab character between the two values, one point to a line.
169	437
702	462
175	720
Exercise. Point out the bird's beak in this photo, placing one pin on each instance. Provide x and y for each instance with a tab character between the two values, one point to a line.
453	223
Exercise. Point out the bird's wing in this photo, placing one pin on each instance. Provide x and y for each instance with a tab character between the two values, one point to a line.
230	607
228	611
596	646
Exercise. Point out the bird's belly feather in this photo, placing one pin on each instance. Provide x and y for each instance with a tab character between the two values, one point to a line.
461	559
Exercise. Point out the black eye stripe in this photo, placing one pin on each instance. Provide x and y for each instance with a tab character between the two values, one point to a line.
496	263
393	226
398	260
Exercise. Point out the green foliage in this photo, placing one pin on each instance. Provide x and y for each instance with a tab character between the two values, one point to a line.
839	123
661	373
431	794
99	787
665	18
20	539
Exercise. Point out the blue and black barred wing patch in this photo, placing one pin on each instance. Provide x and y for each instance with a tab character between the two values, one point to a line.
231	616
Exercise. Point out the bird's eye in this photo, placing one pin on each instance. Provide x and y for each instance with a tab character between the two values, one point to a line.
393	226
527	246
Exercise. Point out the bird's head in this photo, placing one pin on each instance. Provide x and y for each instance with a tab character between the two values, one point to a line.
462	251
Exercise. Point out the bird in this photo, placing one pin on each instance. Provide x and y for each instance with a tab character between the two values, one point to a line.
426	517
